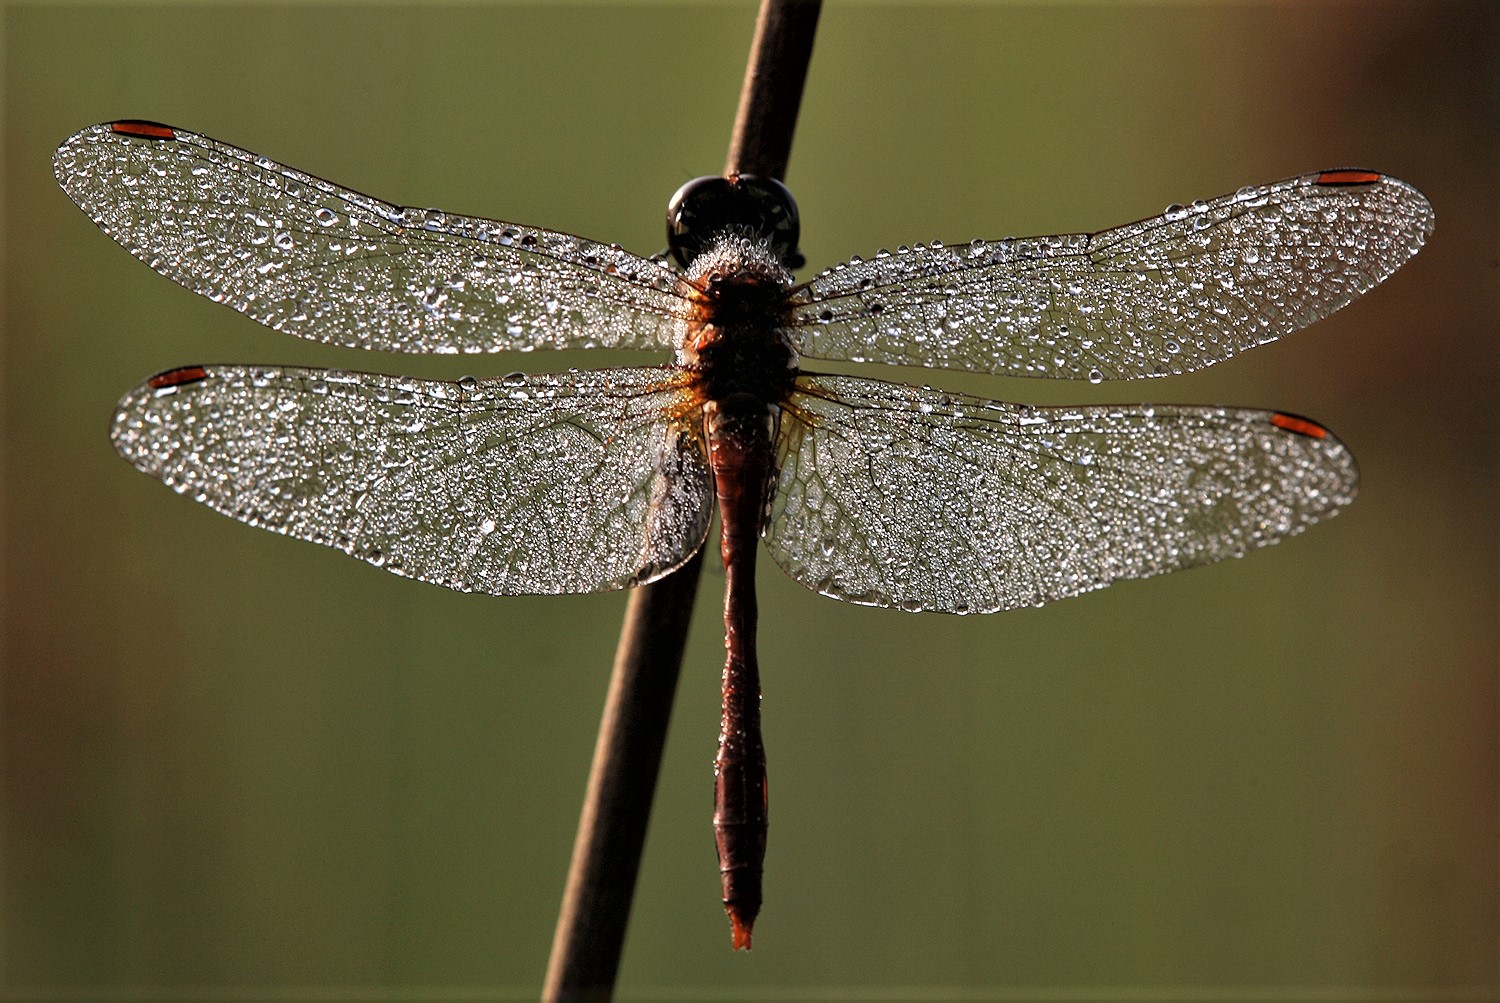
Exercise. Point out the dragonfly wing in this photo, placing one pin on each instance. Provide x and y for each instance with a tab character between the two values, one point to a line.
1166	295
308	257
572	482
893	495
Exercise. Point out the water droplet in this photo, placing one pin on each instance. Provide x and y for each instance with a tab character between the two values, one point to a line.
1095	376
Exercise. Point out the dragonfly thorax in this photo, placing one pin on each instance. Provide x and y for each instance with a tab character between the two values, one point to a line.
737	338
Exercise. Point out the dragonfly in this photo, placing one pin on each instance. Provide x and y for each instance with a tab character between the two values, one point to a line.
868	491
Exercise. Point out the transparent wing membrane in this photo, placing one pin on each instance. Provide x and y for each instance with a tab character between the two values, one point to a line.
893	495
886	494
310	258
1166	295
546	484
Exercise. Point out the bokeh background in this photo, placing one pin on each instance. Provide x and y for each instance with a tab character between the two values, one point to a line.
243	765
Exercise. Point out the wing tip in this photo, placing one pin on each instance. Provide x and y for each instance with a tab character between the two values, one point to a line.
130	128
1339	460
65	165
138	400
1355	178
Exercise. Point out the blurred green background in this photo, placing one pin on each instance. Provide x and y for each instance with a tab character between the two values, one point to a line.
247	765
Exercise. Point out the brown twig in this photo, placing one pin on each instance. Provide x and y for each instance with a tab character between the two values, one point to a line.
772	93
622	782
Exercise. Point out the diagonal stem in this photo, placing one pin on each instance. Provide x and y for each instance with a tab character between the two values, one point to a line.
762	139
595	910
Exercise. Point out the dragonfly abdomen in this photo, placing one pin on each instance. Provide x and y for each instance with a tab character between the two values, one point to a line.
739	432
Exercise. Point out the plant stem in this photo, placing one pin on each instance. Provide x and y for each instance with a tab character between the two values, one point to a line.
596	903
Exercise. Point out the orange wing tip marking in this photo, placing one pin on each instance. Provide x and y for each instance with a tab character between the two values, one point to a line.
1301	426
173	378
143	130
741	931
1339	179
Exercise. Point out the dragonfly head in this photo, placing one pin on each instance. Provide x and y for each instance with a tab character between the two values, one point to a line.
746	204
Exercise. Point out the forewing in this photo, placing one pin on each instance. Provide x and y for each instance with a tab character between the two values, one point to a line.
1166	295
891	495
308	257
573	482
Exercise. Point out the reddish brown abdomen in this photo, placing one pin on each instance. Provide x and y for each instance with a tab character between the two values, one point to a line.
741	459
737	344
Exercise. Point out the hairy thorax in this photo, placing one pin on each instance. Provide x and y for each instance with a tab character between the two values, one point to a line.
737	338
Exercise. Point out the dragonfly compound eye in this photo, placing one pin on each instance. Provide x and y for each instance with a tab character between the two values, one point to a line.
744	204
